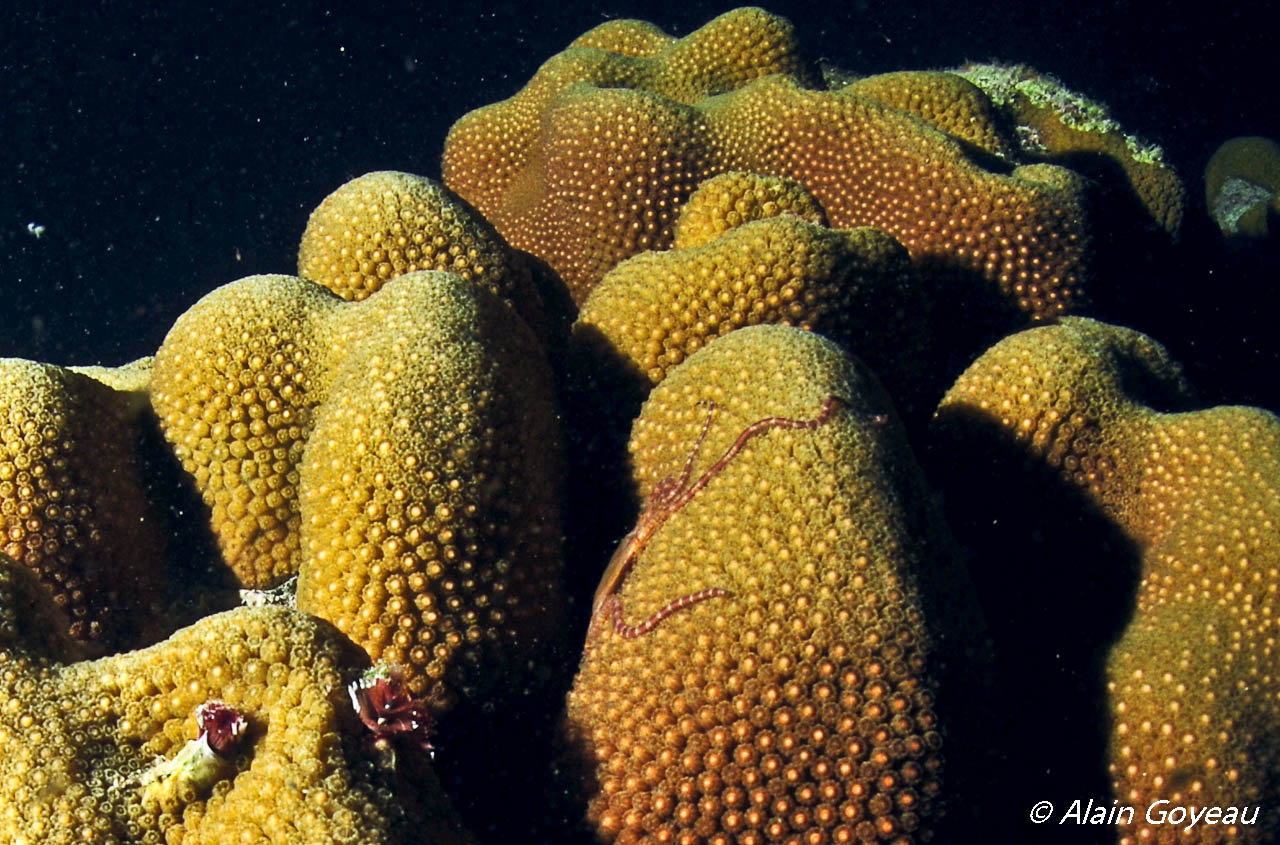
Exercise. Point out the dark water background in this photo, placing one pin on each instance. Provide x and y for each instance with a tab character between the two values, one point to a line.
167	151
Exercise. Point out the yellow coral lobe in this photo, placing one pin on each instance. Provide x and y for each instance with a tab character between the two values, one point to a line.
1065	394
77	740
73	507
870	165
946	100
429	529
1191	698
399	453
384	224
590	163
487	167
802	703
856	286
727	201
235	384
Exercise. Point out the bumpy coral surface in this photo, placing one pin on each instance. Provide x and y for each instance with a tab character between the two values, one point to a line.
399	453
72	503
591	161
235	384
430	533
856	286
385	224
87	749
1242	186
802	703
727	201
1192	691
947	100
726	53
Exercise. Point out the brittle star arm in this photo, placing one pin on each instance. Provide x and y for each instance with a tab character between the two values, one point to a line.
669	496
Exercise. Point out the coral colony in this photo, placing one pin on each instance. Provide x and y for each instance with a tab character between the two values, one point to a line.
717	225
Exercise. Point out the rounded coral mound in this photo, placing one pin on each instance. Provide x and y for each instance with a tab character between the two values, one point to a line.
1242	186
794	693
947	100
235	385
751	259
107	750
73	507
385	224
399	453
1191	695
727	201
590	163
1067	394
428	491
737	47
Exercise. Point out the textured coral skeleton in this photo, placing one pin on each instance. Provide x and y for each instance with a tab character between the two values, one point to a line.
669	495
592	161
804	707
1189	690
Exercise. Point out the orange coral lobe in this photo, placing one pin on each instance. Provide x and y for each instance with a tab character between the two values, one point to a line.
590	163
798	702
1196	495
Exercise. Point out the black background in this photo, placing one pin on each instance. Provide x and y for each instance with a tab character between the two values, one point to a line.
167	151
